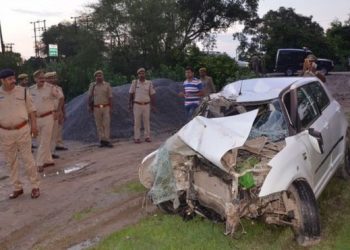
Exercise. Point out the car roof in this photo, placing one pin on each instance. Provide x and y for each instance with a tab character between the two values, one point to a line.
261	89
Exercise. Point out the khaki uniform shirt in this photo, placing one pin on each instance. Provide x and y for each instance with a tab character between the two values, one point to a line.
44	98
142	90
101	92
208	85
14	106
57	101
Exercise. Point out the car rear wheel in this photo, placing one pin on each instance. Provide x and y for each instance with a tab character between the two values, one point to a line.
306	218
345	167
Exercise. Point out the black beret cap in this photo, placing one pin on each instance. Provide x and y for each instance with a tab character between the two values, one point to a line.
6	73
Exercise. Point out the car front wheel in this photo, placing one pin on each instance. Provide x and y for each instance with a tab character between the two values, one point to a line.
345	167
303	209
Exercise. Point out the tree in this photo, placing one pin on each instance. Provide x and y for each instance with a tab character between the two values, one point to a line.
10	60
339	36
282	29
151	33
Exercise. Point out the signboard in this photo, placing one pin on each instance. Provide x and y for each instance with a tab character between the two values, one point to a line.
53	50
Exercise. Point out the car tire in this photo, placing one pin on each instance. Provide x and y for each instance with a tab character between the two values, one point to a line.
289	72
345	167
306	221
167	207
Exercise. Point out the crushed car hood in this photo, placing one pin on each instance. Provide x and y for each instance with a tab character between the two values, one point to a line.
212	138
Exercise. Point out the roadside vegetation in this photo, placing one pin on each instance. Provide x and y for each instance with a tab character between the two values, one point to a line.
162	231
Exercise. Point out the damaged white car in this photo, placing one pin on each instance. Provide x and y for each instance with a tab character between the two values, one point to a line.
260	148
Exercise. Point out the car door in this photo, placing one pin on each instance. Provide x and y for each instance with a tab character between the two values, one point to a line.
334	120
309	116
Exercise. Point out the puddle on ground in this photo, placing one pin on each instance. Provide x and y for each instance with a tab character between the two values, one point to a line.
69	169
85	244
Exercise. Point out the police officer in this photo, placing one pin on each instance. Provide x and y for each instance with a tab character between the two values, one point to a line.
44	96
141	100
62	116
310	68
23	80
16	112
58	103
100	103
207	81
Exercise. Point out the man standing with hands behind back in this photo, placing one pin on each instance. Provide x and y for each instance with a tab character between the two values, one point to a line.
100	103
44	96
141	100
16	112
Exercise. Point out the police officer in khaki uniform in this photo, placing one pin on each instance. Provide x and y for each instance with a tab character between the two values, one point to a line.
207	81
44	96
23	80
61	118
16	111
100	103
141	100
58	103
310	68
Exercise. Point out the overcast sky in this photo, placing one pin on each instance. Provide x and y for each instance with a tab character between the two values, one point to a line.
16	15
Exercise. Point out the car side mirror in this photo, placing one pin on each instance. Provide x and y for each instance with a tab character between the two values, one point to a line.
316	140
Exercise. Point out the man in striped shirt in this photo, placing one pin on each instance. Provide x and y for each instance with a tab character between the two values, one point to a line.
193	91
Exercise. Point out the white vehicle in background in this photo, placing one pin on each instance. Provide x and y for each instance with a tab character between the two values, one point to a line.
260	148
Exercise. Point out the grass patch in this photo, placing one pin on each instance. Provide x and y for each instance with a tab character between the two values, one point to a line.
163	231
130	187
83	213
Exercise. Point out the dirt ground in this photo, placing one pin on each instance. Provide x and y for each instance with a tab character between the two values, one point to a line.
84	205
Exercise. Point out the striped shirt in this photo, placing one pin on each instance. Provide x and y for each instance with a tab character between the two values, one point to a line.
191	89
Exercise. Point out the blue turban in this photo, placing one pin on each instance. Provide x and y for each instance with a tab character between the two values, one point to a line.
6	73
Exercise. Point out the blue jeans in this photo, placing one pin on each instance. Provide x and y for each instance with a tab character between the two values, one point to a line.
190	110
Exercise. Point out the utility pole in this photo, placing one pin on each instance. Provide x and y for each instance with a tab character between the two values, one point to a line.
8	47
2	41
75	22
39	29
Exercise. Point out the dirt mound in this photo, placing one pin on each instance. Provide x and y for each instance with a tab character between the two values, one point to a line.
170	113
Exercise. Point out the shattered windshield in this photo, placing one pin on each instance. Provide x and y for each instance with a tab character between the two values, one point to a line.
270	122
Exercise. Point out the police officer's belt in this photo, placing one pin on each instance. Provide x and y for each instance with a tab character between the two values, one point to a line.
16	127
142	103
101	105
45	114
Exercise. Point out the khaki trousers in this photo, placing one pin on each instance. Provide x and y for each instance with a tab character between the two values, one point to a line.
59	140
54	136
45	126
142	114
103	121
16	143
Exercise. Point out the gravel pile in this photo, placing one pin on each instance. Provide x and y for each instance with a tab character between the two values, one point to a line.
170	114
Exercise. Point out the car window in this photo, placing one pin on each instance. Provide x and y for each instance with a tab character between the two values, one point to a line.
307	108
319	95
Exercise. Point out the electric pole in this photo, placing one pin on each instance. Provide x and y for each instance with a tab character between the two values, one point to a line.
39	29
8	47
2	41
